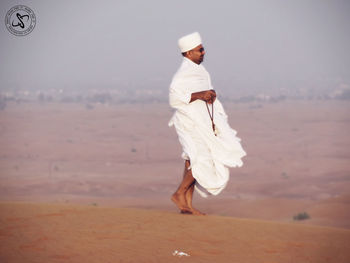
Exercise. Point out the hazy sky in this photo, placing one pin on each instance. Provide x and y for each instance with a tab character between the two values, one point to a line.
252	46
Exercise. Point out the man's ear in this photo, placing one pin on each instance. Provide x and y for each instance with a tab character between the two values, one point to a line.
189	53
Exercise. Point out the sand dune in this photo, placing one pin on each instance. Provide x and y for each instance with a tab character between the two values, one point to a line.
73	233
127	156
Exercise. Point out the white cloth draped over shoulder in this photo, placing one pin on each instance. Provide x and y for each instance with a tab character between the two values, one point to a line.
209	155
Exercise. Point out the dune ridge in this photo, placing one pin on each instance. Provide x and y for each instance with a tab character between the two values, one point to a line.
32	232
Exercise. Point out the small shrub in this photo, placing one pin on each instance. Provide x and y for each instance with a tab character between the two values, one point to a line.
89	106
284	175
301	216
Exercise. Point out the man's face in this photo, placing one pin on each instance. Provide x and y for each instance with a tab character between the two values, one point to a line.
196	54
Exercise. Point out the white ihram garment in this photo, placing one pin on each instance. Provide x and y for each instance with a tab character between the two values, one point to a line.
209	155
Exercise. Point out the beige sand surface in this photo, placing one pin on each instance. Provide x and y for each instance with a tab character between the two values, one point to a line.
127	156
73	233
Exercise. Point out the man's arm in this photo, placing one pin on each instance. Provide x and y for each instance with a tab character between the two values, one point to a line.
206	95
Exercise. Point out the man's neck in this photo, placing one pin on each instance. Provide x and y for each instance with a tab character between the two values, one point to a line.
191	61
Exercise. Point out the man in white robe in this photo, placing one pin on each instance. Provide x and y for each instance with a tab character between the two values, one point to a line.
209	144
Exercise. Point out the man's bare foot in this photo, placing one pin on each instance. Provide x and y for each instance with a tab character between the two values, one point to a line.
187	212
180	202
197	212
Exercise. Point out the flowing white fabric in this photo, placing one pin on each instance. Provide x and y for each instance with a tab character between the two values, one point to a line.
209	155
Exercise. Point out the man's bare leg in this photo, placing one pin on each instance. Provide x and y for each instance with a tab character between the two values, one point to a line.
183	196
179	197
189	196
189	193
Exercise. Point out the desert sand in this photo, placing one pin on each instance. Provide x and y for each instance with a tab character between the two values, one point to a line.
119	165
71	233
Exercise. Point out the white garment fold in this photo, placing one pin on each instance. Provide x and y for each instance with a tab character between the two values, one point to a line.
209	155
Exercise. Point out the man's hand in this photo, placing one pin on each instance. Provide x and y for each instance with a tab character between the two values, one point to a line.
206	95
209	96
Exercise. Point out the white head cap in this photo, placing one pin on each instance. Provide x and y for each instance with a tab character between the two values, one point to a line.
189	42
